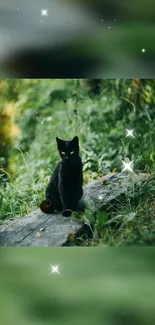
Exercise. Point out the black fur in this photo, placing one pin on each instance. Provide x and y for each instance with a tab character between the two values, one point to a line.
65	187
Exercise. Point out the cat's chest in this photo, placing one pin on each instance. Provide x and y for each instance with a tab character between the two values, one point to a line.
69	173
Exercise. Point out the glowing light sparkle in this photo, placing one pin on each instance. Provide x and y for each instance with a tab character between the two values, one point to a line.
127	165
43	12
100	197
129	133
54	269
143	50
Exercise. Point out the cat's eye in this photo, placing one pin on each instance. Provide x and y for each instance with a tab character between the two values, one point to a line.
62	152
71	153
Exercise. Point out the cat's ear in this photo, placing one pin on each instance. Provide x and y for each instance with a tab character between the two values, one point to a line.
75	141
59	142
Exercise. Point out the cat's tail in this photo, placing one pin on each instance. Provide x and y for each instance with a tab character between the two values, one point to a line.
47	207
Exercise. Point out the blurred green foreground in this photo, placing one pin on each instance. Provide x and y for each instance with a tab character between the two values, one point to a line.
95	286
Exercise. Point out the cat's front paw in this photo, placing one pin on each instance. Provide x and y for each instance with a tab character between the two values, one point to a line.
66	213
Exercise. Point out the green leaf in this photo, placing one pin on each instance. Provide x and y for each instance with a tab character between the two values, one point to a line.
152	156
101	218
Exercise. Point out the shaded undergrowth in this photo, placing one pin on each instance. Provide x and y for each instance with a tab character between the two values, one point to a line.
129	220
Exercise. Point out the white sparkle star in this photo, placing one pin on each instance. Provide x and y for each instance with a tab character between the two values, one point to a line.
43	12
109	27
54	269
130	133
127	165
143	50
100	197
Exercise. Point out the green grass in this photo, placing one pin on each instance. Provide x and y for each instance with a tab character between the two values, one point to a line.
22	192
128	221
46	109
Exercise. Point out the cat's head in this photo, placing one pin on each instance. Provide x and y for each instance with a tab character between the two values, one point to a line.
68	150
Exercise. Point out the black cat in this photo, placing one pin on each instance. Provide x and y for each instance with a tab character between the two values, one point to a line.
65	187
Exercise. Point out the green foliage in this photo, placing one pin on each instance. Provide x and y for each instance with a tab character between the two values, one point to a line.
5	139
94	218
21	194
48	108
130	221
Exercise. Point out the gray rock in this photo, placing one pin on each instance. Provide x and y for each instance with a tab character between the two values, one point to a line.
28	230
